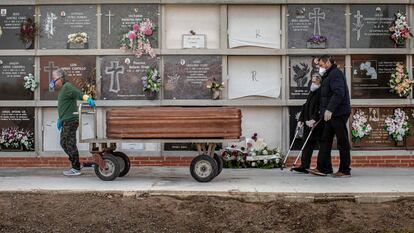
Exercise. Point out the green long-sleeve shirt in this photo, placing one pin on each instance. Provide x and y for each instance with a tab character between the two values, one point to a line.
68	95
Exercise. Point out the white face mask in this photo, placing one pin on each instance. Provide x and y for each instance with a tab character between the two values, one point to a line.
314	87
322	71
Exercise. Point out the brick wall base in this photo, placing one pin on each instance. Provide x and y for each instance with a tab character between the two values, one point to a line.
60	161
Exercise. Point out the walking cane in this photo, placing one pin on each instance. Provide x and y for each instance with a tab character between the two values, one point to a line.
304	144
290	148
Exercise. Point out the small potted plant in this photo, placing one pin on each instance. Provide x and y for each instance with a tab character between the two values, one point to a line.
400	82
400	31
215	88
316	42
397	126
360	127
151	83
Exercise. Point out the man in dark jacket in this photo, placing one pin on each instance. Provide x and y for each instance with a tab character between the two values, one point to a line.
335	109
308	118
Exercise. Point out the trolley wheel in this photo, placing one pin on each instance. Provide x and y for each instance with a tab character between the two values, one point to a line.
125	164
203	168
220	163
113	168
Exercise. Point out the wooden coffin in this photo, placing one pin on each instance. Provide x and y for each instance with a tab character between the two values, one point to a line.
173	122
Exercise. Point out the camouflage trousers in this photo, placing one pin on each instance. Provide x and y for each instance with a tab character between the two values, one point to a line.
68	141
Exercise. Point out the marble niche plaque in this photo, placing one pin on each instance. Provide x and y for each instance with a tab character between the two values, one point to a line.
378	137
187	77
12	72
371	74
305	21
254	76
117	20
201	19
370	25
301	71
58	21
121	76
18	118
79	70
11	18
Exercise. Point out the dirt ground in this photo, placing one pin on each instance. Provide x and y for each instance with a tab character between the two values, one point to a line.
114	213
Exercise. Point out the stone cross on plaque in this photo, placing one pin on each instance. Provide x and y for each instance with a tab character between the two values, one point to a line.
109	15
49	69
317	15
114	71
49	25
358	25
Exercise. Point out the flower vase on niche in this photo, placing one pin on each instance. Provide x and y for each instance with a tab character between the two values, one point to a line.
399	143
400	45
151	95
215	94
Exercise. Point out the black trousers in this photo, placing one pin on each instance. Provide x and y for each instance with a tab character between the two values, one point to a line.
314	139
336	126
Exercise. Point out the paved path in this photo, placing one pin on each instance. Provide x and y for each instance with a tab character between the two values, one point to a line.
365	182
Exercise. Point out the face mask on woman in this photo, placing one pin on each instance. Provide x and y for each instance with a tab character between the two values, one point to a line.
314	87
322	71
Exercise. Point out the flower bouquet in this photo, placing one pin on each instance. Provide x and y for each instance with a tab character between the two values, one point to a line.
138	39
256	154
30	83
400	29
151	83
397	125
316	42
400	82
360	126
215	88
78	40
16	139
28	31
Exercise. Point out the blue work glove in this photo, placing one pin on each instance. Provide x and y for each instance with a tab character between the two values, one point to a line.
59	124
91	102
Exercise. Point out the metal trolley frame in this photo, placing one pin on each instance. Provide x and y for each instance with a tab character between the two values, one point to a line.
110	163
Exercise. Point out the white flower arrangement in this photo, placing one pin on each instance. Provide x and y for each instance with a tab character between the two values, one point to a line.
30	82
400	29
78	38
397	125
360	126
14	138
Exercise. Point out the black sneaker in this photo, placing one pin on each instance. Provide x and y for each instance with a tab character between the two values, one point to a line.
300	170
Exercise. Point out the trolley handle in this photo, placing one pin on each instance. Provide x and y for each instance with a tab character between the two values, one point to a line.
93	112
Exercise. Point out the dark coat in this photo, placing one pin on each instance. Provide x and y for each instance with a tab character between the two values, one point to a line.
334	93
310	109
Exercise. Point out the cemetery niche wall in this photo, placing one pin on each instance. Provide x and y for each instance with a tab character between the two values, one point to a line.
80	71
12	33
316	26
17	129
12	73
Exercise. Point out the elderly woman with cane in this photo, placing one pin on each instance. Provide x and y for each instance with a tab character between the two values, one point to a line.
309	118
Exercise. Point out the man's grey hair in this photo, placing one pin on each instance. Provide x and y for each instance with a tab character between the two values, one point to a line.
61	73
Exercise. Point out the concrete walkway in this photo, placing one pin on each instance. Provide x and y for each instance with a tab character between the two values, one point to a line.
367	184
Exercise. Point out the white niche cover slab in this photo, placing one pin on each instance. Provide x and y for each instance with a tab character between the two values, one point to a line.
51	135
181	20
254	76
254	26
265	121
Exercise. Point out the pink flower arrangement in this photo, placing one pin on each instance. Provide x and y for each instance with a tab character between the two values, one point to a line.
138	39
14	138
400	29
